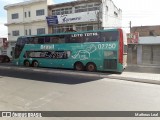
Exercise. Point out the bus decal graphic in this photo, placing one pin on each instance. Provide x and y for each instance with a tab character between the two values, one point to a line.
109	46
47	47
85	54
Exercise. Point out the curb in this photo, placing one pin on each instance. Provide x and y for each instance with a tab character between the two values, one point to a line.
93	74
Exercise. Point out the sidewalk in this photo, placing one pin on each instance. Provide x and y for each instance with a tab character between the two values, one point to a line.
143	69
148	66
140	73
137	77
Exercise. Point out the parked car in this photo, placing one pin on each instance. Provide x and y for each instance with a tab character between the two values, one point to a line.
4	58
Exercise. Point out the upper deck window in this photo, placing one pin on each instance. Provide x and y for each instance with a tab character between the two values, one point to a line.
110	36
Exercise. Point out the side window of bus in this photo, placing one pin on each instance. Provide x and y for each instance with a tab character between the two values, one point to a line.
47	40
30	40
35	41
75	38
40	40
22	41
92	37
18	41
54	40
60	38
110	36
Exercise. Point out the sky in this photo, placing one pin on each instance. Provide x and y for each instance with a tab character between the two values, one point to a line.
139	12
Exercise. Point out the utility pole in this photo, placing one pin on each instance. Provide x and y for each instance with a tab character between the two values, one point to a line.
98	20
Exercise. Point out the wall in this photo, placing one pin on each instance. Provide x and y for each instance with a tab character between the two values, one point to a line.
149	40
11	28
109	19
25	23
145	30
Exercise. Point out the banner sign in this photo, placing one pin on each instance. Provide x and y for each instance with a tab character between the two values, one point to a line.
132	38
52	20
72	18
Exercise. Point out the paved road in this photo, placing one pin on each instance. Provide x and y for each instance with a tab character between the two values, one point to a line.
50	77
130	68
25	90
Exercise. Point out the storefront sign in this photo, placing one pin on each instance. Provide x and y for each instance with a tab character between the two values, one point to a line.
132	38
72	18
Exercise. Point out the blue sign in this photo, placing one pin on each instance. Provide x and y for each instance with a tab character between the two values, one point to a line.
52	20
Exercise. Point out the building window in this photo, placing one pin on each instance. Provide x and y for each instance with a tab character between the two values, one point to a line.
81	9
116	14
106	8
26	32
41	31
25	14
64	28
39	12
89	7
96	6
15	33
15	16
62	11
29	14
85	27
30	32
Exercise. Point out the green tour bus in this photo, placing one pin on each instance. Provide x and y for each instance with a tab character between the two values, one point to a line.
98	50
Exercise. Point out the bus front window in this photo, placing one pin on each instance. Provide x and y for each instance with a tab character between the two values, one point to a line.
19	46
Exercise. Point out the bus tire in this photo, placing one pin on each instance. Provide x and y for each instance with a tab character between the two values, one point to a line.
26	63
78	66
35	63
91	67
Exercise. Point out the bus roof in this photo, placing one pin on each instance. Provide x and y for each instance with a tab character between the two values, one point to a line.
66	33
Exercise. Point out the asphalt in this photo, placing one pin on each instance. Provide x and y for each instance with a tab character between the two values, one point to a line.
143	74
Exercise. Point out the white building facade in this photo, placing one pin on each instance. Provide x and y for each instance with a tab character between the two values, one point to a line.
26	18
42	17
83	15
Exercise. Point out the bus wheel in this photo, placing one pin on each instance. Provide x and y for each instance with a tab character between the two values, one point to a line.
26	63
79	66
35	63
91	67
